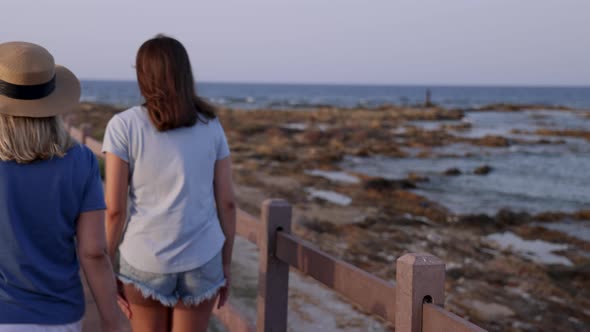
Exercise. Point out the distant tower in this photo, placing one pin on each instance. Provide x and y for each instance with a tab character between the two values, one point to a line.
427	100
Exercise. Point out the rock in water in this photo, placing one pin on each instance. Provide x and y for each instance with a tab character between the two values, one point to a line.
483	170
452	172
415	177
508	217
493	141
381	184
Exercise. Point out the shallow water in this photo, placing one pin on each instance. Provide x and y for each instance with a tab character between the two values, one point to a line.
574	228
329	196
526	182
536	250
504	123
336	176
433	124
498	123
295	126
281	96
531	178
299	126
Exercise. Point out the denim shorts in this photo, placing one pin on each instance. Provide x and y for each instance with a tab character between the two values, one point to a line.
191	287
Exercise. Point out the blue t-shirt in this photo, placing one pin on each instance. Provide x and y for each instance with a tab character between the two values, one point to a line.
39	206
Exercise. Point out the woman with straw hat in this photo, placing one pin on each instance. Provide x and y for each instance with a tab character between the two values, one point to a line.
51	202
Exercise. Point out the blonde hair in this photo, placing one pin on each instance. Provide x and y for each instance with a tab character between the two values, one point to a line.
24	139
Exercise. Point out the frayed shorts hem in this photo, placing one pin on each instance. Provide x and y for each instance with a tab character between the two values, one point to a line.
172	300
208	295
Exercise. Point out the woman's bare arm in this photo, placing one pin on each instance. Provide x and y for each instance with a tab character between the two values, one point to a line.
226	210
226	205
97	267
117	183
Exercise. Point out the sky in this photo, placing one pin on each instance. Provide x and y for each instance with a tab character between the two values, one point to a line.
454	42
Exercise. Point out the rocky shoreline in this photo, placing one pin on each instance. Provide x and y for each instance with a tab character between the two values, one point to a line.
493	276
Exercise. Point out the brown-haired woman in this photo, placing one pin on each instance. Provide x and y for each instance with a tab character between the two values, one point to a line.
168	168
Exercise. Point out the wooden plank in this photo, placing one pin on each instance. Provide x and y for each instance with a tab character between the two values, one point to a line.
233	319
247	226
437	319
77	134
94	146
371	294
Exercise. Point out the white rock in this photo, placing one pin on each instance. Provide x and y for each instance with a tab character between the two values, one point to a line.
489	311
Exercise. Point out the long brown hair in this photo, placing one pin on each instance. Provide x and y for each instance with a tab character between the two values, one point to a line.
166	82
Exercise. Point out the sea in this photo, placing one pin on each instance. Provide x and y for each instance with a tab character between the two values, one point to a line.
282	96
526	177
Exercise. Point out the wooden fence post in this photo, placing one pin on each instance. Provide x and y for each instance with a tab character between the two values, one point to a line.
86	132
273	274
419	278
67	123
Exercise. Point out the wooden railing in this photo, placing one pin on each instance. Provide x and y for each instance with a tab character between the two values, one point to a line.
413	304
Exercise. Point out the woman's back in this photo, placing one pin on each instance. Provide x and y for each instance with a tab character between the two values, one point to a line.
171	196
39	205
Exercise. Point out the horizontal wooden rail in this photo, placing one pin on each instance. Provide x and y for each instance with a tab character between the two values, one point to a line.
371	294
95	146
77	134
233	319
437	319
247	226
82	136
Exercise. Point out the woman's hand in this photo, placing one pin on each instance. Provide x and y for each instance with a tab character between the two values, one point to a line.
122	301
224	291
97	268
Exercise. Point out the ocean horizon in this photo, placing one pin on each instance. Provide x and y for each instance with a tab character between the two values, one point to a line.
125	93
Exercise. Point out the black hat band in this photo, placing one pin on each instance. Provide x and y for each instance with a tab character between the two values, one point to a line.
27	92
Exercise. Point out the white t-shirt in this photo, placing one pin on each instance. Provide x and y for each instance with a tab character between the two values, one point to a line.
172	221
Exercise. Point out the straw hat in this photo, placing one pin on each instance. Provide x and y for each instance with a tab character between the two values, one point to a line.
32	85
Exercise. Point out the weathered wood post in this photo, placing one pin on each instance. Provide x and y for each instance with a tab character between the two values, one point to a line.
86	132
273	274
67	123
419	278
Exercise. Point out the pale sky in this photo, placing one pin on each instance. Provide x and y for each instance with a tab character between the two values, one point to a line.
456	42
